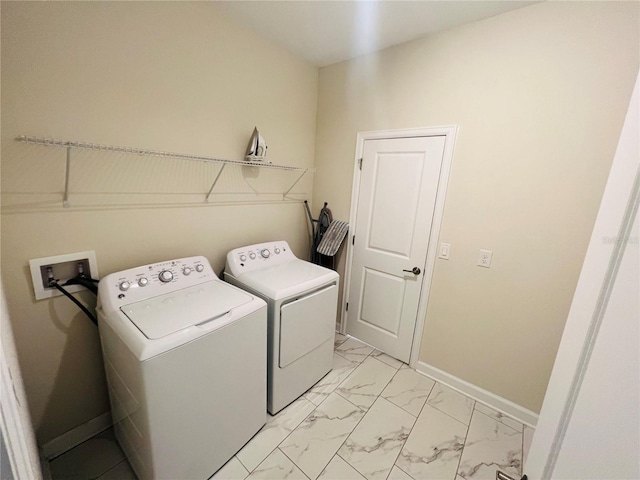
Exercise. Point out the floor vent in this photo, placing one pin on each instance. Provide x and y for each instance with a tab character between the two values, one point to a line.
503	476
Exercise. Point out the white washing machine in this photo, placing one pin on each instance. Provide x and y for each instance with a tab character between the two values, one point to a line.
185	358
302	303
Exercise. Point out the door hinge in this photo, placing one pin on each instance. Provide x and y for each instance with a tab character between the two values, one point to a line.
347	307
353	240
360	163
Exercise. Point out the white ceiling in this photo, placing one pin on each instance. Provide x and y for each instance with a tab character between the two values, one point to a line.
326	32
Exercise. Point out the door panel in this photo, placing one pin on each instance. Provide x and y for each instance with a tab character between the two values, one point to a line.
396	202
382	296
397	178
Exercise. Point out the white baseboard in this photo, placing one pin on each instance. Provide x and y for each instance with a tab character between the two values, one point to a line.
481	395
76	436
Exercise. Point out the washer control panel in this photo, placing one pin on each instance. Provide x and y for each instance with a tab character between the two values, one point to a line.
258	256
148	281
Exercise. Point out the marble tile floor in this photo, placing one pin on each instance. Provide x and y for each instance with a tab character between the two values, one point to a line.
371	417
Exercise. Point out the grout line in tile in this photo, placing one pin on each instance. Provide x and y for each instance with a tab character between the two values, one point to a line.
366	411
277	447
352	361
305	473
464	444
316	407
291	460
501	413
403	444
399	451
377	396
495	420
347	437
291	433
356	426
398	467
236	455
425	402
350	373
433	406
349	463
473	409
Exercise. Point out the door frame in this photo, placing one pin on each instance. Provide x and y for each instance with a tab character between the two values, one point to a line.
449	132
16	428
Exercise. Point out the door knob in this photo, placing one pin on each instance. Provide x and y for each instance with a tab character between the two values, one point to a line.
414	270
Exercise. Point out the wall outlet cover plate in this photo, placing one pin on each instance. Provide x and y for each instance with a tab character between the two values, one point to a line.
484	259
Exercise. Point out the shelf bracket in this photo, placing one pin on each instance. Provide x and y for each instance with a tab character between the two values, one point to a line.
67	173
213	185
284	195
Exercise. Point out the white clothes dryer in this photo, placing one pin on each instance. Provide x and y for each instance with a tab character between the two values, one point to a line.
185	359
302	303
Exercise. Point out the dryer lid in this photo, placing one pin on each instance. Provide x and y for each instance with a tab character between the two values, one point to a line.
164	315
290	278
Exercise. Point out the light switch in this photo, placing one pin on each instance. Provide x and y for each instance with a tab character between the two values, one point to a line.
445	249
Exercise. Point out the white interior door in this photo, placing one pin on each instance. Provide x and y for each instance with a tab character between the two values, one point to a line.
395	208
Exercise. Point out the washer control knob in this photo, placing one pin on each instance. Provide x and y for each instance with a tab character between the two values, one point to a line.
124	285
165	276
252	256
276	251
199	268
265	253
186	270
243	258
143	282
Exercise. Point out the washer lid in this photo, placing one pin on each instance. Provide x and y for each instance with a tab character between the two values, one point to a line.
160	316
288	279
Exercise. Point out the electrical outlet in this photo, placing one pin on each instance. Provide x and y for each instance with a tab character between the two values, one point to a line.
61	268
445	250
484	260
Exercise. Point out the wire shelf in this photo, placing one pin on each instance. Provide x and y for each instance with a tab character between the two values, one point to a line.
241	179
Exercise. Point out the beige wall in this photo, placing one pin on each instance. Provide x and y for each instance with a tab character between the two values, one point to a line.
539	95
172	76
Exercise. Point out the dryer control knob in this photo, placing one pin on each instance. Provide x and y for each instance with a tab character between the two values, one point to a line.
199	268
276	250
252	256
265	253
243	258
165	276
143	281
186	270
124	285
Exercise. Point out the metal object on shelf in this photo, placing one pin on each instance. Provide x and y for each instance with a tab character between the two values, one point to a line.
257	149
